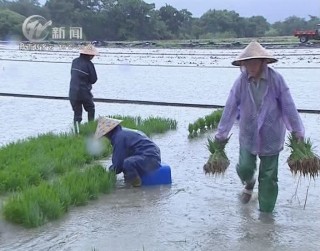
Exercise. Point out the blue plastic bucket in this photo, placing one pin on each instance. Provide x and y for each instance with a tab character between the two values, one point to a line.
161	176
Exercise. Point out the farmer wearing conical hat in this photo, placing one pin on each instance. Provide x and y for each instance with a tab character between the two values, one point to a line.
83	76
134	153
266	109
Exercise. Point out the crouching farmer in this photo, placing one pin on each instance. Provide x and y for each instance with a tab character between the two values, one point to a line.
134	153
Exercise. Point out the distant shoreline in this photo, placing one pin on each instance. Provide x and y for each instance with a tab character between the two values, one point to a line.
281	42
170	45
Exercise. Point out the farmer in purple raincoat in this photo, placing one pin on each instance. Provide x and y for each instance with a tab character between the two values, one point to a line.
133	152
266	108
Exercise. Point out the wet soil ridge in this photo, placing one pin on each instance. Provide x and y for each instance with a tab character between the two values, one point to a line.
139	102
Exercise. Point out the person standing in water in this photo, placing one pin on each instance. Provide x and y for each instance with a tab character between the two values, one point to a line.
83	76
266	109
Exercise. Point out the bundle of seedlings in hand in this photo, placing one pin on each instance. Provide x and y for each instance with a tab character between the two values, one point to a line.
302	158
218	160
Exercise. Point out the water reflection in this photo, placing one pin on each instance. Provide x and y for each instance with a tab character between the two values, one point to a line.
259	231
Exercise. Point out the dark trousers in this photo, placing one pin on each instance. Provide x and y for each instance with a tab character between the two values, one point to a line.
88	106
138	165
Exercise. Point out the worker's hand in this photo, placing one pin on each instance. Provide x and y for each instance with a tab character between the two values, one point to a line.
298	137
112	169
221	142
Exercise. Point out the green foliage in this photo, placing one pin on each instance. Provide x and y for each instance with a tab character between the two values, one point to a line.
33	207
218	160
221	21
216	146
256	26
29	161
150	125
201	125
190	128
37	205
10	23
138	20
45	175
302	159
272	32
290	25
176	21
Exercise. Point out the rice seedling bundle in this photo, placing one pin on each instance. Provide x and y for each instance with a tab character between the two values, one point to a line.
218	160
302	159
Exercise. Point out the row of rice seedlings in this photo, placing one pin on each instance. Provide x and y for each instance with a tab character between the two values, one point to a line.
28	162
156	125
36	161
129	121
88	129
49	201
302	159
218	161
150	125
201	125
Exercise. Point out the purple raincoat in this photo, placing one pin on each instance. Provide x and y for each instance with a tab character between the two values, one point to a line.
262	132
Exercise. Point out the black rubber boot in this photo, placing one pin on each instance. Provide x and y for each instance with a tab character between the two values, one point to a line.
91	115
76	125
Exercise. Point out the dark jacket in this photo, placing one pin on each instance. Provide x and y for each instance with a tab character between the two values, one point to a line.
126	143
83	76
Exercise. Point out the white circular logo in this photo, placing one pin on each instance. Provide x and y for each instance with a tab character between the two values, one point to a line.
34	28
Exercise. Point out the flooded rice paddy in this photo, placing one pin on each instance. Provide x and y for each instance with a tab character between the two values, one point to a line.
196	212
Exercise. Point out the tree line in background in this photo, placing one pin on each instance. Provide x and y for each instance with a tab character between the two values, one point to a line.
120	20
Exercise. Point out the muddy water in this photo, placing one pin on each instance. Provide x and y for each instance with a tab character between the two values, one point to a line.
196	212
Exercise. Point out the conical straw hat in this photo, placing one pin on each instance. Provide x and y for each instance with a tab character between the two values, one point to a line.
254	50
105	125
89	50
